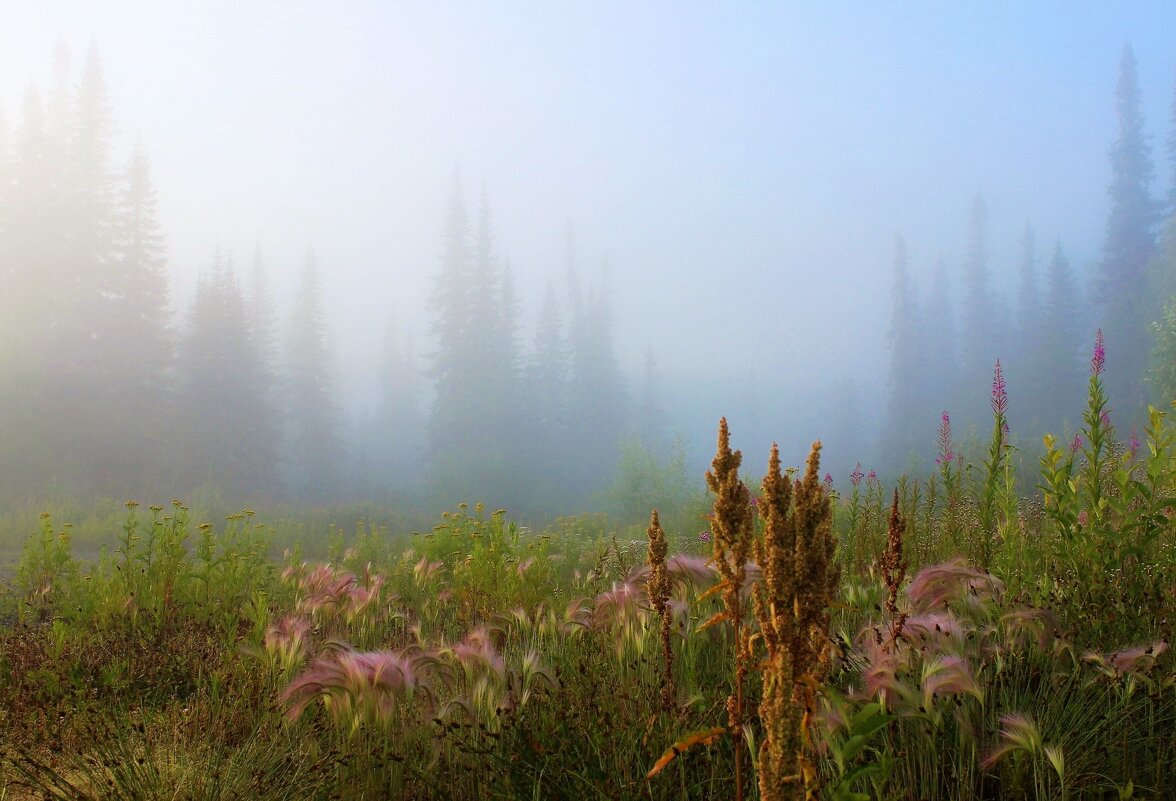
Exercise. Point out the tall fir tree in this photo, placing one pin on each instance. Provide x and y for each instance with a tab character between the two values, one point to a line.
135	395
315	456
1059	385
1126	307
1023	361
452	304
598	406
1170	149
939	346
904	423
395	445
231	429
980	329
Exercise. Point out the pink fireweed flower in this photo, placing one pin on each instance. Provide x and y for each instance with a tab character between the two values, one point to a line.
1105	417
871	476
1099	359
857	475
828	481
704	537
946	452
1134	444
1076	444
1000	397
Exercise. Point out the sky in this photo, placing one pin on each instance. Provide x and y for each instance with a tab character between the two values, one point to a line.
742	168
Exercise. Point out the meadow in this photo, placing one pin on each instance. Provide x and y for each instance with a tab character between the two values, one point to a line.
955	636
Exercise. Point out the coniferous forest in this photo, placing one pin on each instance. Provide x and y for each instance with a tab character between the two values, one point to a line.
486	553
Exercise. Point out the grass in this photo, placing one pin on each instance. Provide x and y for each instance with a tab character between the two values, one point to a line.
1021	651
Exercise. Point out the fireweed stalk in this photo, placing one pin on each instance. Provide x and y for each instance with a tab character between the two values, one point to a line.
994	467
792	600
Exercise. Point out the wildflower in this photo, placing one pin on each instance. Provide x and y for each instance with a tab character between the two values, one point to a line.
704	537
1076	445
1105	417
828	481
1000	397
946	451
1098	360
873	476
1134	445
857	475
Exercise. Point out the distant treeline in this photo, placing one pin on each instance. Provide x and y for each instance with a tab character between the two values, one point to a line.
105	390
1043	336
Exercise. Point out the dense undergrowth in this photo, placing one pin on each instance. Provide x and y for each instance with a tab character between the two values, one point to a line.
941	639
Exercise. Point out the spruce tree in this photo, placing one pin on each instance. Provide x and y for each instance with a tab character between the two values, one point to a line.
597	397
1059	385
903	410
981	329
452	304
231	429
315	446
939	346
1126	307
1024	364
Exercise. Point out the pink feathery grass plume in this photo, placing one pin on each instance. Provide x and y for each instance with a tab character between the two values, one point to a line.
286	640
691	571
948	675
937	584
625	602
355	685
880	675
425	570
1018	732
1039	625
1137	661
359	599
477	654
935	631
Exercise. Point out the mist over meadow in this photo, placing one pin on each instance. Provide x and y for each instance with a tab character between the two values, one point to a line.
529	255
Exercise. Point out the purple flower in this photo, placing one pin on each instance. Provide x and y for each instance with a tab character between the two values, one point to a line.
828	480
1000	398
1100	354
1134	446
872	476
1105	417
857	475
704	536
1076	445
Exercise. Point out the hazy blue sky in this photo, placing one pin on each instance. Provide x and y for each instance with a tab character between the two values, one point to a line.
752	161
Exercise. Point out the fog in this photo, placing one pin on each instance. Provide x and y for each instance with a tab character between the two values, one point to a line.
735	175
